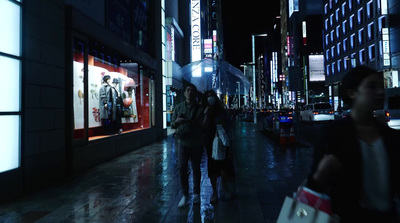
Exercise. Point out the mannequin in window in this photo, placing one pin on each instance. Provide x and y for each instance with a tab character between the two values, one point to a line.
107	108
118	106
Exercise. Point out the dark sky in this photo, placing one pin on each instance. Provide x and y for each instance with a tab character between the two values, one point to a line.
241	19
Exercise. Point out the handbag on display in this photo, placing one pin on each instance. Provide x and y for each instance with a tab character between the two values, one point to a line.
307	206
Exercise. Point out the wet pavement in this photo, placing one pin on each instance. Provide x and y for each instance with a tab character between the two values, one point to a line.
143	186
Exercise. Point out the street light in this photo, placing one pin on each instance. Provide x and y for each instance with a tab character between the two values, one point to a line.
254	73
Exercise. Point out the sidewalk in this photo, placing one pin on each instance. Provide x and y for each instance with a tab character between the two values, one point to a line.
143	186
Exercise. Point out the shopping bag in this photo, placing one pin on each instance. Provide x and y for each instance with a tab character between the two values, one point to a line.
222	135
218	149
321	201
294	211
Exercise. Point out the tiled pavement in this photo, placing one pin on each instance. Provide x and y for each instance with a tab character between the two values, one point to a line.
143	186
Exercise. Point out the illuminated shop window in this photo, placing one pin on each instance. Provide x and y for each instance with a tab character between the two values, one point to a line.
10	85
119	93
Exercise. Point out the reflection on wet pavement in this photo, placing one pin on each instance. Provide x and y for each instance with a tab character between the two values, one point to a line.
143	186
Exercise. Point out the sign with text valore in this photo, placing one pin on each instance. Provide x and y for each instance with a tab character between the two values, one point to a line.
195	30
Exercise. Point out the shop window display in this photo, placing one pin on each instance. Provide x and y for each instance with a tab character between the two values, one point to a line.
118	96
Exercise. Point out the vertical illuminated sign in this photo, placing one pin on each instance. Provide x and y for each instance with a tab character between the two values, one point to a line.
386	47
195	30
215	48
172	43
384	7
208	48
304	33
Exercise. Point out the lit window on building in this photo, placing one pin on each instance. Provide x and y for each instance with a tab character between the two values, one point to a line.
360	15
369	9
361	55
344	9
371	52
351	22
361	36
344	27
352	41
327	55
371	31
337	15
338	32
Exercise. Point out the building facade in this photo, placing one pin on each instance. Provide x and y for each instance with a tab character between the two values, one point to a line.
357	33
86	86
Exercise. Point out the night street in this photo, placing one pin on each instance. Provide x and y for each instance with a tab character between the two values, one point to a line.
143	186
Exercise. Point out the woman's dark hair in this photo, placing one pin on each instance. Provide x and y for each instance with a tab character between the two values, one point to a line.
219	104
353	79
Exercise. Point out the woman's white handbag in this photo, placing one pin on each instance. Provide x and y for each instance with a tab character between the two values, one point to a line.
220	142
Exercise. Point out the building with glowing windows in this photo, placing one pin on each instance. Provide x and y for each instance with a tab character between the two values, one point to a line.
360	32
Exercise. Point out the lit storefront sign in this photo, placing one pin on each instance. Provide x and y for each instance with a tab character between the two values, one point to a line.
195	30
215	47
304	26
384	7
208	48
10	86
386	46
316	67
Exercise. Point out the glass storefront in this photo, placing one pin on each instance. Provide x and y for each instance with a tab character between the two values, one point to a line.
119	93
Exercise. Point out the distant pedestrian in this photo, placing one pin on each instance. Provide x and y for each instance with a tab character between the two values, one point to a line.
361	166
187	120
215	114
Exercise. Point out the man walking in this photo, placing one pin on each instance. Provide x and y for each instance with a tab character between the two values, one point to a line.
187	119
